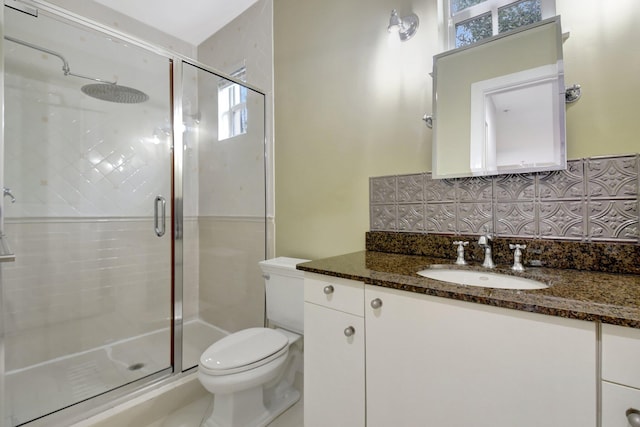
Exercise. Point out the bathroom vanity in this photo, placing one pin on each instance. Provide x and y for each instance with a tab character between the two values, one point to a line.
384	346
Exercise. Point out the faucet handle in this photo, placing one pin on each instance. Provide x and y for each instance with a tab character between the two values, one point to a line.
517	256
7	192
461	244
485	239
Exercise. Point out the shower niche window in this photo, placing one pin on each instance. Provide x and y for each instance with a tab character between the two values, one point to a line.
232	106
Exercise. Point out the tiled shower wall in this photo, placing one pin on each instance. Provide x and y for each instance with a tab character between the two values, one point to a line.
81	284
594	199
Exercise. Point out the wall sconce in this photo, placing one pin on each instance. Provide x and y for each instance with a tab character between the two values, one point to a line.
405	27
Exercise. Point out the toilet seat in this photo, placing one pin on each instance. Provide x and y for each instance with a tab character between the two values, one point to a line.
243	350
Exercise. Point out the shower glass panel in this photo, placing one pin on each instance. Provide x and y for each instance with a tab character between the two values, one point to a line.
224	209
87	302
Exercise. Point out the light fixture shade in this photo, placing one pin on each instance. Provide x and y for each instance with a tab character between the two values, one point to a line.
406	27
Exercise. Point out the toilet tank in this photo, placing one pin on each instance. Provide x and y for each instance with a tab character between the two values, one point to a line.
285	292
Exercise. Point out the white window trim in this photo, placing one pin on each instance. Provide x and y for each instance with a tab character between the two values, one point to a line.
228	115
447	22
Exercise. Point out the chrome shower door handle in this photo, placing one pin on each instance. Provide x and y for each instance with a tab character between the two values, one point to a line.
159	210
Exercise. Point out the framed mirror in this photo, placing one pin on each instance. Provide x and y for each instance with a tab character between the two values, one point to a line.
499	105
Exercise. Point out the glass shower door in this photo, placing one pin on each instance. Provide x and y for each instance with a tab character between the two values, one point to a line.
87	302
224	208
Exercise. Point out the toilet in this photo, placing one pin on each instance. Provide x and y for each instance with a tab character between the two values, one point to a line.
251	372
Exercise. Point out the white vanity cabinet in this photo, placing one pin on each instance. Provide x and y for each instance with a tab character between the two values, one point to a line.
441	362
334	360
620	376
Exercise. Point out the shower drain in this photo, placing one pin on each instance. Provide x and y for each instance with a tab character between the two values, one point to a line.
136	366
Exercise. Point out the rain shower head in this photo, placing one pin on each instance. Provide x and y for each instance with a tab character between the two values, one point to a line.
114	93
104	90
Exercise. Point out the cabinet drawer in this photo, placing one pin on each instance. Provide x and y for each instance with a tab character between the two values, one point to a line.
620	355
616	401
338	294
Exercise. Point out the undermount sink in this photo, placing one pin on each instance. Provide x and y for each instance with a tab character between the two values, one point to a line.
483	279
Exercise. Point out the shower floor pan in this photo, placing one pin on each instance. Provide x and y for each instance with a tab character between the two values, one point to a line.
46	387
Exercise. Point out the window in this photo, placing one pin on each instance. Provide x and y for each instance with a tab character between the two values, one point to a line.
470	21
232	107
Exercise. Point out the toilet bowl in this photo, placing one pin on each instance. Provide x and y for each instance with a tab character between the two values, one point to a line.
251	375
251	372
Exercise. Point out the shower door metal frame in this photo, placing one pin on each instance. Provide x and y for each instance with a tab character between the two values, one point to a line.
125	393
2	387
177	201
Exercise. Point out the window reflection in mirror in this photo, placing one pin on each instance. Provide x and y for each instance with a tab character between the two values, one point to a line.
470	21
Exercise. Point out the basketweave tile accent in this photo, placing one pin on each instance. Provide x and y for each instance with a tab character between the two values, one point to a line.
594	199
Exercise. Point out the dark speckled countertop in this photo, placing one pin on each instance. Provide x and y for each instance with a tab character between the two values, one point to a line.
612	298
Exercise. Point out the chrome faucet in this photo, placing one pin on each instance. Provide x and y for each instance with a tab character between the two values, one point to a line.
461	244
517	256
485	243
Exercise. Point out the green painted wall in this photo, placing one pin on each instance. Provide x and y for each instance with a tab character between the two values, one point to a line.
348	105
601	55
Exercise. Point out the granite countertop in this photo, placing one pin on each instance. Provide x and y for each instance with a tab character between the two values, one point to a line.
586	295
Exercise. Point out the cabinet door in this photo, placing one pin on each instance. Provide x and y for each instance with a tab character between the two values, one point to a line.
438	362
333	368
617	401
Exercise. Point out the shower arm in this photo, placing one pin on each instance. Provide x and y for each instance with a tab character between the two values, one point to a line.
65	65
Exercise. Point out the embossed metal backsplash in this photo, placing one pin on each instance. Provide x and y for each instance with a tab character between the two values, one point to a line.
594	199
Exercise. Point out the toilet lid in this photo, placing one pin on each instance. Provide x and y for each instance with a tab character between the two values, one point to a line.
243	348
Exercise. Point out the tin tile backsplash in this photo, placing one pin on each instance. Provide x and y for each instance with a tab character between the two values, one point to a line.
594	199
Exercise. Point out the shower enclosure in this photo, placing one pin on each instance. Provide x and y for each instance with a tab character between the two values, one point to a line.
134	183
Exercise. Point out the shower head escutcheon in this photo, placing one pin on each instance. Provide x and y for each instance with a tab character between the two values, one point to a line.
112	92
